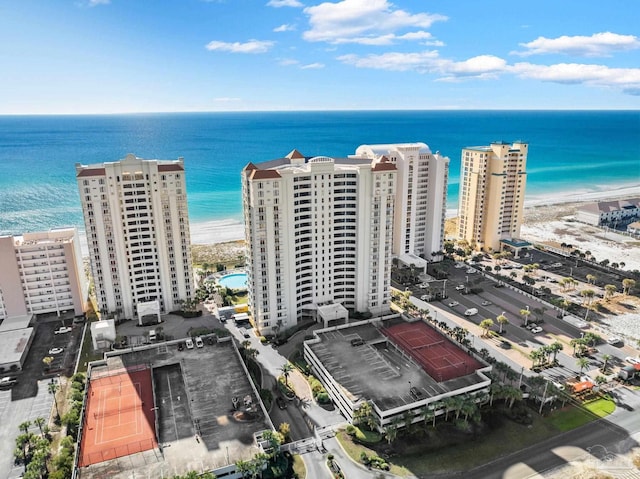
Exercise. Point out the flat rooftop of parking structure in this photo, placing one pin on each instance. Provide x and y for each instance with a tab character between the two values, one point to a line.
198	427
381	371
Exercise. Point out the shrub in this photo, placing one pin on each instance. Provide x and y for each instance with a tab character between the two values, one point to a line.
350	429
323	398
263	339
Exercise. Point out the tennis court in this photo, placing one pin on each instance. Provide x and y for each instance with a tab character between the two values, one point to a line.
440	358
119	417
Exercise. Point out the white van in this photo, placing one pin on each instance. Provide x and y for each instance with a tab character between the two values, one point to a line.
152	335
471	312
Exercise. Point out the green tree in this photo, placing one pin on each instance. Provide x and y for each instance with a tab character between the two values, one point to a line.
53	388
40	422
486	325
582	363
606	358
364	415
609	291
627	285
502	320
525	315
286	370
555	348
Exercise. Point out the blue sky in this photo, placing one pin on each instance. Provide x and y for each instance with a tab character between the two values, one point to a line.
112	56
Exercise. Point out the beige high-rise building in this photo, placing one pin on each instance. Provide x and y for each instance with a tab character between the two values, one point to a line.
491	198
137	223
42	273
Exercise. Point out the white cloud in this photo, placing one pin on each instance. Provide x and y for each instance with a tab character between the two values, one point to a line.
483	66
284	3
285	62
626	79
394	61
284	28
597	45
95	3
312	66
252	46
363	21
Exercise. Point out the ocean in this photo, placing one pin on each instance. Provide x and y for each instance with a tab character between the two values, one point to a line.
569	151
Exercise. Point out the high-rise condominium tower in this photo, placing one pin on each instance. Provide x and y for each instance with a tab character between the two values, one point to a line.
319	232
137	224
421	196
492	184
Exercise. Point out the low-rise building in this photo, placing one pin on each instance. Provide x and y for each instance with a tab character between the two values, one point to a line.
609	213
42	273
402	369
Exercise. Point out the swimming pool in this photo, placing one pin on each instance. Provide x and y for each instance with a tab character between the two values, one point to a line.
234	281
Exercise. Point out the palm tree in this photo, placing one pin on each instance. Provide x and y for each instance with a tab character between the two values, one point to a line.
606	358
609	291
486	324
448	403
53	388
512	394
582	363
286	369
627	285
495	391
525	315
502	320
555	348
588	294
40	422
535	356
427	414
591	279
24	426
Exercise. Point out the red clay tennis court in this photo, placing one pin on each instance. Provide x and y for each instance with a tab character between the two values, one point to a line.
119	417
439	357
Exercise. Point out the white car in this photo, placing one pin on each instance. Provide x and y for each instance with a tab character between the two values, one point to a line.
614	341
470	271
453	304
199	342
632	360
536	330
486	303
424	297
63	330
460	287
56	350
189	343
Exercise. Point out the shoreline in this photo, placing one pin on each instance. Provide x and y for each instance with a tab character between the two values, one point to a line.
231	229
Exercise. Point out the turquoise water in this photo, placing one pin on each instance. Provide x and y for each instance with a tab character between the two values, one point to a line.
234	281
576	150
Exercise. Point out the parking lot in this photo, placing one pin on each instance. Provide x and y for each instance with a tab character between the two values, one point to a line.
30	398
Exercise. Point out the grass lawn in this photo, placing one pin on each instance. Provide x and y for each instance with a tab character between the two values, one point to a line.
298	467
601	407
86	354
476	451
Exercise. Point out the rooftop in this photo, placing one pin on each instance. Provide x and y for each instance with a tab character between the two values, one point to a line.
377	370
14	344
205	432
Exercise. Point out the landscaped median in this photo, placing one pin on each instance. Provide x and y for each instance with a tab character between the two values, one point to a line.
448	448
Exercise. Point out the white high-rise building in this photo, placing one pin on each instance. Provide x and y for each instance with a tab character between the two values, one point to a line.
42	273
137	223
319	232
421	196
491	201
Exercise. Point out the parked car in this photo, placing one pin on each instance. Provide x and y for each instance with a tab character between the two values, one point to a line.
424	297
8	381
282	404
632	360
189	343
63	330
199	342
486	303
56	350
460	287
470	270
614	341
471	312
536	330
453	304
505	344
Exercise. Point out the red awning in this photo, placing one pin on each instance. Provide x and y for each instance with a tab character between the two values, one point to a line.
579	387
